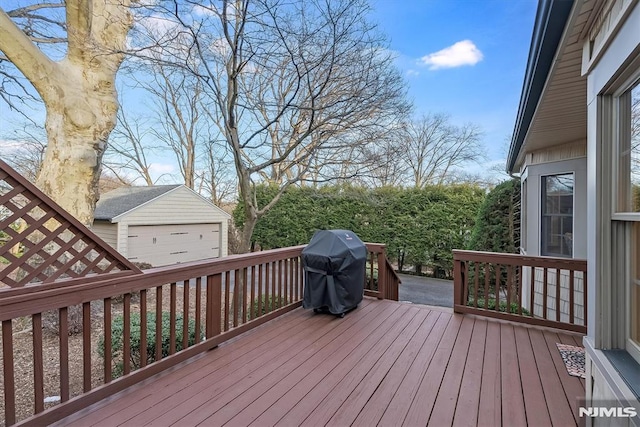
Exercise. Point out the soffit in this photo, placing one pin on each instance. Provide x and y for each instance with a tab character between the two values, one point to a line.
561	114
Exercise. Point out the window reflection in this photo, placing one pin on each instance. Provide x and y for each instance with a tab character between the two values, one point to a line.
629	152
557	215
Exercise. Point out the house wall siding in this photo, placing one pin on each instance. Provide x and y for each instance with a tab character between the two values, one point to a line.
531	219
107	232
605	73
574	150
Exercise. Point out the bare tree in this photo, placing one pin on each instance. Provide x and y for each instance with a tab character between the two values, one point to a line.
177	96
284	80
127	153
433	148
216	179
78	89
25	151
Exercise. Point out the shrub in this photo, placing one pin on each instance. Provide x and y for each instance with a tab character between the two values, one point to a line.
50	319
266	305
491	305
117	334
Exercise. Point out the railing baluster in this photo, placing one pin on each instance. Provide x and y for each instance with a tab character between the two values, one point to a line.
545	285
259	313
280	283
245	277
267	293
272	306
519	273
8	373
227	299
143	328
107	340
557	294
208	328
532	290
86	346
172	317
296	284
291	285
300	278
126	334
159	331
198	307
509	286
571	295
499	286
186	290
477	284
465	280
252	314
216	279
236	290
487	268
63	334
38	369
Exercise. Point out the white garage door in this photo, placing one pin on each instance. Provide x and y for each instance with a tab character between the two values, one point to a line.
171	244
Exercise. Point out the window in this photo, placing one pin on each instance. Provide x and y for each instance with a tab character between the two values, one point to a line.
626	215
628	166
557	215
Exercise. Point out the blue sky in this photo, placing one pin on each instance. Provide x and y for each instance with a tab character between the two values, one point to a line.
465	58
486	93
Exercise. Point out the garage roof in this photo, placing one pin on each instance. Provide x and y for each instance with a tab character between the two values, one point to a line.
121	200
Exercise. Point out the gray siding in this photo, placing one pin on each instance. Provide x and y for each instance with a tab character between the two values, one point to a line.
107	232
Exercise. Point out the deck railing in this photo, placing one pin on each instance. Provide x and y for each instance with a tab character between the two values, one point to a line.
381	279
541	291
196	305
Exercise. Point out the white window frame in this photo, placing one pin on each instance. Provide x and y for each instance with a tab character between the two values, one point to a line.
623	224
542	191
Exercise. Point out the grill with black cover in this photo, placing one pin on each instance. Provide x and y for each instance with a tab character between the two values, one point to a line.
334	263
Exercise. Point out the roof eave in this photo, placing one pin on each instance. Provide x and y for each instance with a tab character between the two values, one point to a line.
551	19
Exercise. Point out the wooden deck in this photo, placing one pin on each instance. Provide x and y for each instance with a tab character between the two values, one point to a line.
386	363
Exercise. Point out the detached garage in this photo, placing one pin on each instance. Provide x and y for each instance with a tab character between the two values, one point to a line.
162	224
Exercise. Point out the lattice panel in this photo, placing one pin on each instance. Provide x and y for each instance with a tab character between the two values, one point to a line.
40	242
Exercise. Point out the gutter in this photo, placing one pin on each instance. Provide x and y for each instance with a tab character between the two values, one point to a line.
551	19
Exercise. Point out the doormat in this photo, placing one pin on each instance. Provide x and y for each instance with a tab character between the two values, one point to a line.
573	358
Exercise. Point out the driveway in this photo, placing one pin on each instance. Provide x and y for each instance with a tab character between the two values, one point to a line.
426	290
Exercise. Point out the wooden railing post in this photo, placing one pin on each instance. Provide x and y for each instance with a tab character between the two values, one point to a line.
457	283
214	296
8	372
382	275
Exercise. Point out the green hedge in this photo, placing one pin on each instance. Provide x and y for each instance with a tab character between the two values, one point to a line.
420	227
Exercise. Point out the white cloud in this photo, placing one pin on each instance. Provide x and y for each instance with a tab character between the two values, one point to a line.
412	73
462	53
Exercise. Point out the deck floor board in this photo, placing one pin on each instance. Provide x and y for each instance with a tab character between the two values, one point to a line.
386	363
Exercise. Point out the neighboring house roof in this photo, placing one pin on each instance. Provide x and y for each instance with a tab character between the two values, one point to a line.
551	19
122	200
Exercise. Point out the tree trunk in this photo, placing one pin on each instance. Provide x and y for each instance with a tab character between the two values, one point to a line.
250	222
79	95
81	112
